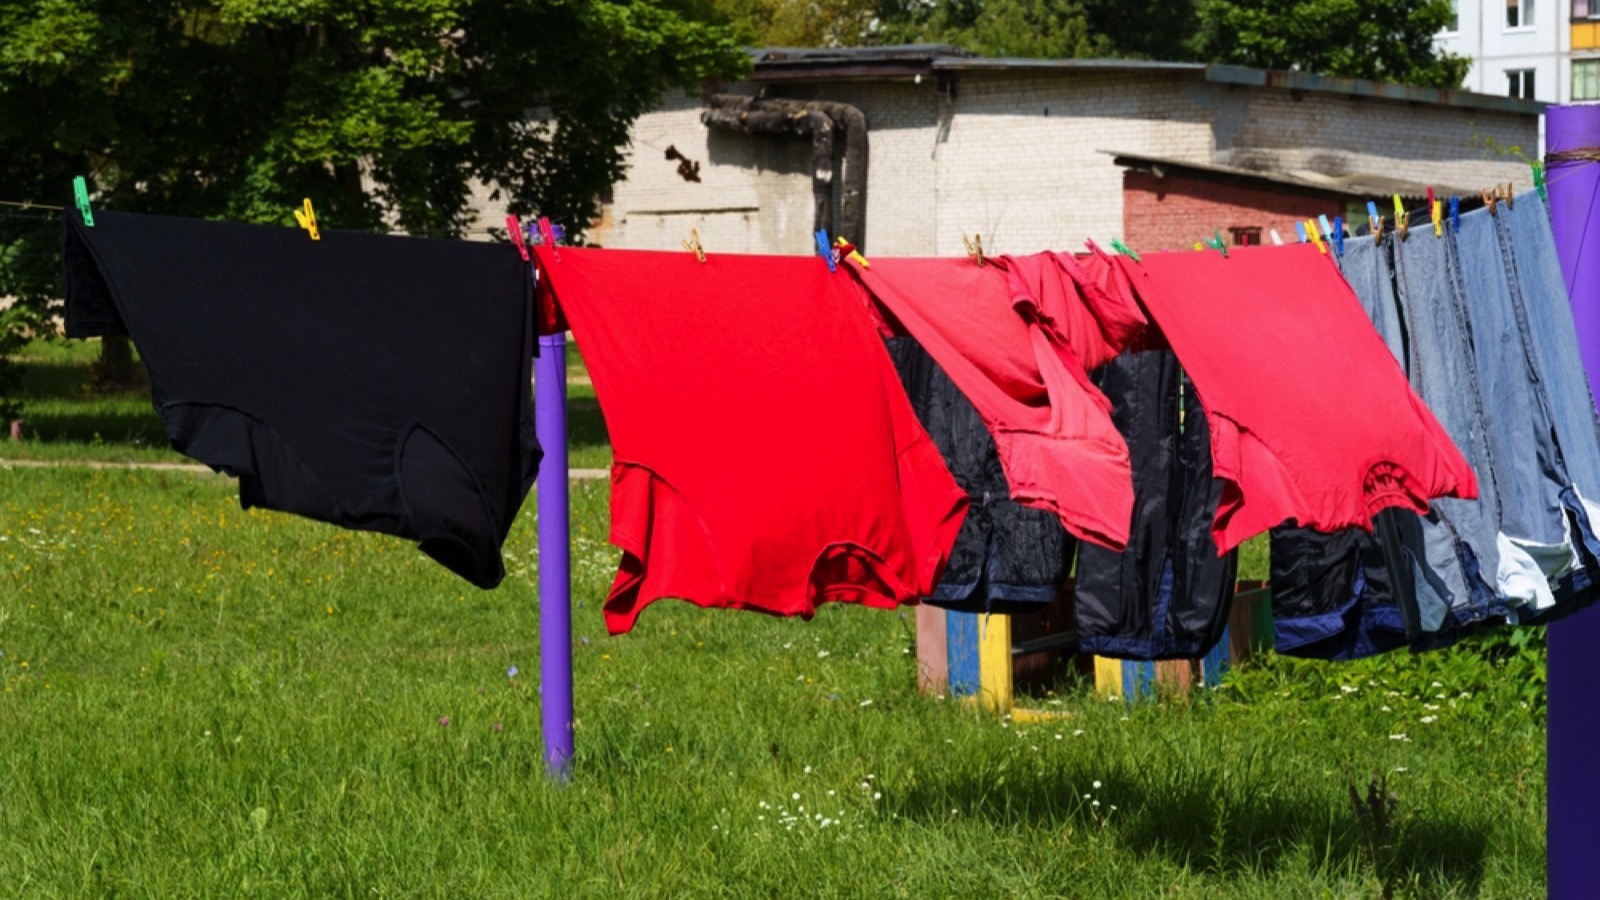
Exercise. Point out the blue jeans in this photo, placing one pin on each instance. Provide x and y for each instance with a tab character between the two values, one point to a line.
1535	545
1452	553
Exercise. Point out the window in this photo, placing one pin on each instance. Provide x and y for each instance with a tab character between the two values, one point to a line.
1519	13
1585	9
1246	235
1519	83
1454	24
1586	79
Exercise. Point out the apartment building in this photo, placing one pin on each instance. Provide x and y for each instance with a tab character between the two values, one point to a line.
1545	50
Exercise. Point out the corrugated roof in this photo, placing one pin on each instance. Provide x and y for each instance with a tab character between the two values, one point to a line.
1355	185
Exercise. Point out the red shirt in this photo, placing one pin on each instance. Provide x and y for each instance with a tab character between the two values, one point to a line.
766	456
1311	417
1017	336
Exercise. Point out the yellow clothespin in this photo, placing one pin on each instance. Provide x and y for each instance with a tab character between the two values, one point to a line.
693	245
974	247
1199	246
1402	223
1438	218
851	253
308	220
1316	236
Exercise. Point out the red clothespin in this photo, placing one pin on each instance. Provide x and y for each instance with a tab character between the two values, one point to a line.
514	228
549	236
849	251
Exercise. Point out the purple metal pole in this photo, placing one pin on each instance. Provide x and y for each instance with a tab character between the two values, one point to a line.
555	555
1572	735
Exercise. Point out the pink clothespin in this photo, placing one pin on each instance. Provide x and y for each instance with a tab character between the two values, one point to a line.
549	236
514	228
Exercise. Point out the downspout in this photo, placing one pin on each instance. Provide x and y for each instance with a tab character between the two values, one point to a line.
816	119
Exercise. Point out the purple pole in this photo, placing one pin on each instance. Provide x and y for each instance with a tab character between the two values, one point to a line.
1572	735
555	555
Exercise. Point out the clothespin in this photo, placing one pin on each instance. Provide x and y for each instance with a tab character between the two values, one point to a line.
514	229
1215	242
1436	209
1455	214
1199	245
1509	195
1402	222
1538	180
547	235
693	245
1124	249
80	195
1338	236
851	253
825	250
1376	220
1490	199
1093	247
974	247
308	220
1327	229
1300	229
1316	237
1276	240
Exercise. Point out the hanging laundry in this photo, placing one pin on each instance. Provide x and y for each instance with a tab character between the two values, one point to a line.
1553	345
1534	543
374	382
766	457
1311	418
1168	594
1007	558
1017	336
1333	596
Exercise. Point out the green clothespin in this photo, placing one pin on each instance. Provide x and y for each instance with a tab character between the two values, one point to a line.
80	194
1538	180
1122	248
1215	242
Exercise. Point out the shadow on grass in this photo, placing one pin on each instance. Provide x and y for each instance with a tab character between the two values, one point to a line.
1223	831
585	426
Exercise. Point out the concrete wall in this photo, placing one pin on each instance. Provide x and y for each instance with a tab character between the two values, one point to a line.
1018	155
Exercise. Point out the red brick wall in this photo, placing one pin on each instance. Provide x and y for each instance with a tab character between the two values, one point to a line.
1174	212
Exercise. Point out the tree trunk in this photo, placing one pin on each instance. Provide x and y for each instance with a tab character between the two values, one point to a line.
115	371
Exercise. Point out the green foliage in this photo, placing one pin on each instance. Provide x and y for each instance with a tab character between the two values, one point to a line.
1376	39
1045	29
381	111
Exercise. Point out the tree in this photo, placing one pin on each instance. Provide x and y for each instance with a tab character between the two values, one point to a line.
1378	39
381	111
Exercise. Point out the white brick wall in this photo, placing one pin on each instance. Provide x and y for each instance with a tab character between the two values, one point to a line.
1016	156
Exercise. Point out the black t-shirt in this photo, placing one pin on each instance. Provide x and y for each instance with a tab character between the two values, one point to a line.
375	382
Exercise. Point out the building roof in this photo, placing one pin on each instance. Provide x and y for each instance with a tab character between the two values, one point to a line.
912	61
1355	185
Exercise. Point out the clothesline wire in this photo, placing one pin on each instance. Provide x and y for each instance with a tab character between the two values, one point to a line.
25	204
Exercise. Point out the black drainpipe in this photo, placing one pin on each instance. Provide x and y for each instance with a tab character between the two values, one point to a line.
816	119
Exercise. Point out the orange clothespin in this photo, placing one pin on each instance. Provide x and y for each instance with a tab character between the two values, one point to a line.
308	220
974	248
1490	198
693	245
849	251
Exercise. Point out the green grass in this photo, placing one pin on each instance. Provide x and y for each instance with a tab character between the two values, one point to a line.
200	701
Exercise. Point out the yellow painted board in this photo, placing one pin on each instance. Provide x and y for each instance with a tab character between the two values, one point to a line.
994	661
1107	676
1585	36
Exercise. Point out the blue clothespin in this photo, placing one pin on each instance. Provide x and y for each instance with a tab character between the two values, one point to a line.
1300	229
1327	230
1338	235
1376	220
825	250
80	195
1455	214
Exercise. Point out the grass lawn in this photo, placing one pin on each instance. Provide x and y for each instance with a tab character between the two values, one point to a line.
199	701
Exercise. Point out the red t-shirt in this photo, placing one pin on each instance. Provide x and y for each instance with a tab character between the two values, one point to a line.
1017	336
1311	417
766	456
